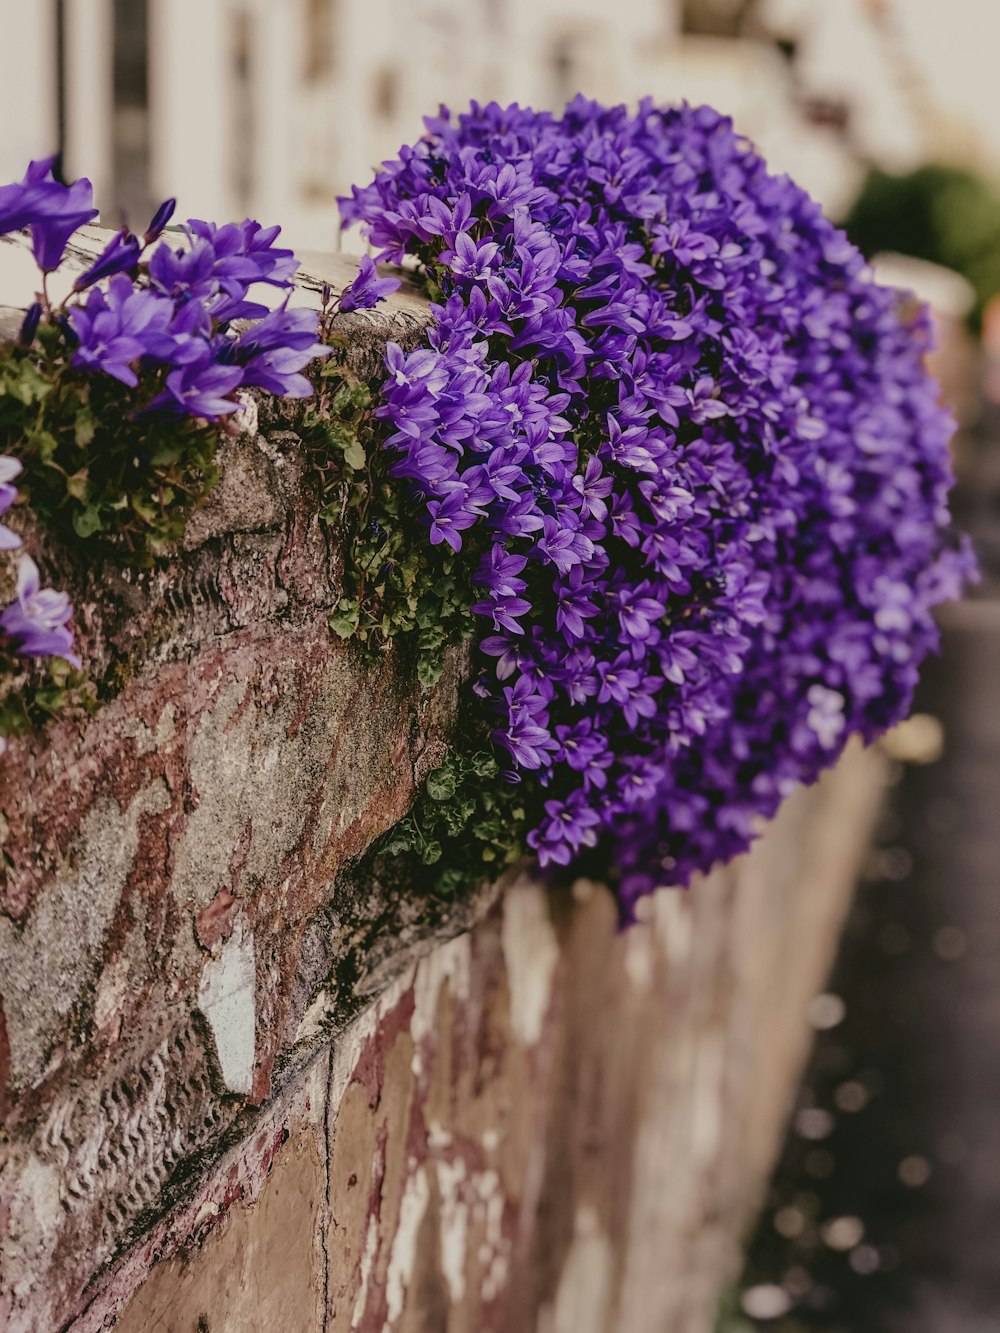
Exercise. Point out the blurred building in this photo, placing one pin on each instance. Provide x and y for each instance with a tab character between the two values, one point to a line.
272	109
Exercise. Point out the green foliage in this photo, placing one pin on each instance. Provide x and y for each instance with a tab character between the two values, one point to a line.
394	582
34	692
467	823
398	589
941	214
90	469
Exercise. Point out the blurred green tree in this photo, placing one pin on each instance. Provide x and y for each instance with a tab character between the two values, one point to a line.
942	214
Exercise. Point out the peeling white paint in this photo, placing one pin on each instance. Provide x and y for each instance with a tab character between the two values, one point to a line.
452	963
246	418
403	1256
312	1022
584	1294
348	1045
111	989
708	1100
367	1263
531	952
454	1226
226	996
437	1136
496	1276
583	890
672	917
640	958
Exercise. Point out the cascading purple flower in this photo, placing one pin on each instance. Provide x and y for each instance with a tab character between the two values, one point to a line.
199	389
695	452
275	351
37	621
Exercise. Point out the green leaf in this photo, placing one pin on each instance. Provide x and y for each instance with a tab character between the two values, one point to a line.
77	485
354	455
441	784
429	671
484	765
430	853
397	843
84	428
87	521
344	619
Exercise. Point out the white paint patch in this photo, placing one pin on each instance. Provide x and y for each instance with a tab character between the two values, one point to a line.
454	1226
531	952
709	1097
403	1257
640	958
367	1263
245	419
583	890
226	996
111	989
315	1017
584	1294
450	962
350	1043
673	921
437	1136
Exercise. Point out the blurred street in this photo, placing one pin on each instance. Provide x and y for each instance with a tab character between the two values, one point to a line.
885	1211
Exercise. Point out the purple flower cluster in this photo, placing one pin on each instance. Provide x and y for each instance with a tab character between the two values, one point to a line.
166	313
694	451
36	623
179	319
170	311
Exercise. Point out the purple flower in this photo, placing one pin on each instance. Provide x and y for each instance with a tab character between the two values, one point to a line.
277	348
568	825
36	621
30	323
120	255
159	220
114	329
368	288
9	469
199	390
245	253
451	516
51	210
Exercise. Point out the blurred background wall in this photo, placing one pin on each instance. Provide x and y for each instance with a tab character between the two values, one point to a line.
272	109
